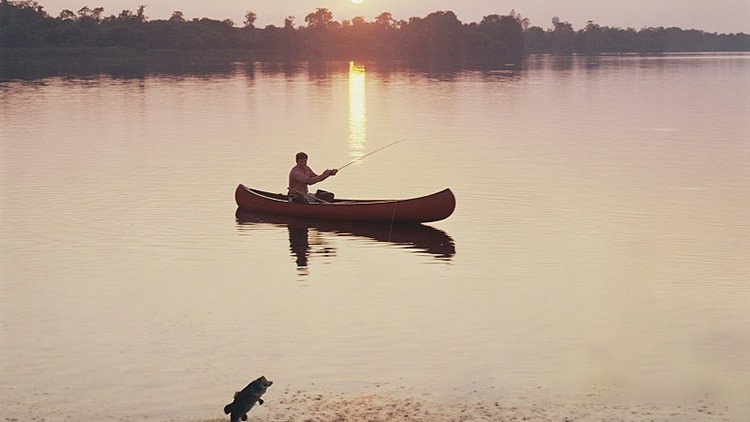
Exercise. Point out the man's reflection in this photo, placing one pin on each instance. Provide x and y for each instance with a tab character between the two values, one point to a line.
305	241
307	238
299	245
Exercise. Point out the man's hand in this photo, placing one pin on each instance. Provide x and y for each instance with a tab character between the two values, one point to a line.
332	172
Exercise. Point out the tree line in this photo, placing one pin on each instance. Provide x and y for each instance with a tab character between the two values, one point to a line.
595	39
503	38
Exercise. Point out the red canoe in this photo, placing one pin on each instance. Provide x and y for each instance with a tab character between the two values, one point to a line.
433	207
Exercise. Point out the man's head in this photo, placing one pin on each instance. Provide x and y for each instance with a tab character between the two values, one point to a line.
300	157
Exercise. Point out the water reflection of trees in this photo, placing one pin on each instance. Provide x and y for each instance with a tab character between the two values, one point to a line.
307	238
123	68
142	68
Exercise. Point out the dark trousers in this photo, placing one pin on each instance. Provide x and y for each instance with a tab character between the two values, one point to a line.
298	198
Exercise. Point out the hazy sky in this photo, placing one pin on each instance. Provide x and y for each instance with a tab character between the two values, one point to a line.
709	15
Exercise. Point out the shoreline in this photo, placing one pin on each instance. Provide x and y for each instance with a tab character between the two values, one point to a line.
296	405
42	54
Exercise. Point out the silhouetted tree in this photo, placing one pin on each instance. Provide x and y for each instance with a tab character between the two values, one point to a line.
67	15
439	34
502	37
250	18
320	18
289	23
562	39
593	38
177	16
524	22
385	20
535	40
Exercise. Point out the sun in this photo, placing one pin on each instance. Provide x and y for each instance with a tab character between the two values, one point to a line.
357	1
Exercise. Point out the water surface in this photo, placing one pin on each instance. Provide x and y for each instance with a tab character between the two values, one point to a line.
600	237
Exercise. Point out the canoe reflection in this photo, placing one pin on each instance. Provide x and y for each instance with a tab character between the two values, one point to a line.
305	235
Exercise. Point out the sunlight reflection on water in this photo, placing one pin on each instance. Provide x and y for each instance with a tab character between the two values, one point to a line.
357	110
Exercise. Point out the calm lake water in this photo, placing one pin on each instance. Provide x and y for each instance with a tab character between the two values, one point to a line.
600	240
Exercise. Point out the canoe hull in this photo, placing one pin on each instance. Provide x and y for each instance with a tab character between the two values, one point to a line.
437	206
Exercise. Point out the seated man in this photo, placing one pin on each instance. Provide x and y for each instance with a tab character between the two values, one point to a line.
301	176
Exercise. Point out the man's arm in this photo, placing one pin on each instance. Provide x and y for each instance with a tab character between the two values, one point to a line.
316	178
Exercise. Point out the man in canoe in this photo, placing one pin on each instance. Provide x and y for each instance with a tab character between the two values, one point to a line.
301	176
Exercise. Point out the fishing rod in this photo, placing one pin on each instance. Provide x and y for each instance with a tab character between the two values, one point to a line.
360	158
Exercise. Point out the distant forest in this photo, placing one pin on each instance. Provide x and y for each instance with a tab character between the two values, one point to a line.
500	38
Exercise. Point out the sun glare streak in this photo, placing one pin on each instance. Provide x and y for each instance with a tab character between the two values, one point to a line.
357	110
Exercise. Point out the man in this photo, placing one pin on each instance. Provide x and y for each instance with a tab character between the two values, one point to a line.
301	176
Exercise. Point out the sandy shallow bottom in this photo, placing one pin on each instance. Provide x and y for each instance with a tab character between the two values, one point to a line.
291	405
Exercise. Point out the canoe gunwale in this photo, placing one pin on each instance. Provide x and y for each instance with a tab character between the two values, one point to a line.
284	198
